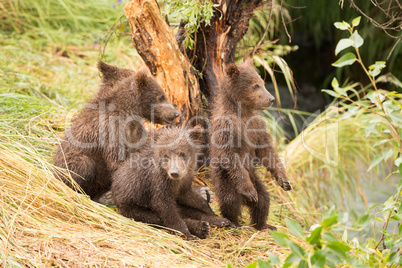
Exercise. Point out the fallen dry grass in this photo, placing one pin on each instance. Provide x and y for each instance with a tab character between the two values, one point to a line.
44	223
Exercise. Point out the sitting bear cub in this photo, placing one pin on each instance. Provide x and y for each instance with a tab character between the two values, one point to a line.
109	127
238	142
155	186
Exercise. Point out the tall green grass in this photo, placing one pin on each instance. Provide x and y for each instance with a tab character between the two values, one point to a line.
60	20
330	158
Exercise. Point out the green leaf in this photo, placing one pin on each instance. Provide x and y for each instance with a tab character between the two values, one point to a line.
274	259
374	72
389	242
338	89
280	238
329	221
295	228
392	257
398	161
297	250
389	204
400	172
357	39
329	237
388	207
376	98
263	264
373	206
252	265
345	236
351	112
334	83
390	107
318	259
343	44
347	59
377	64
292	258
303	264
332	93
363	103
363	220
356	21
380	143
375	69
338	247
396	119
342	25
315	236
387	153
332	259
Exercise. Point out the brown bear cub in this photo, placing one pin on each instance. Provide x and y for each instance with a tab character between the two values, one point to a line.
155	186
109	127
238	142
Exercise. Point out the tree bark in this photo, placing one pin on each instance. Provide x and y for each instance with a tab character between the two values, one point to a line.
216	44
215	47
156	44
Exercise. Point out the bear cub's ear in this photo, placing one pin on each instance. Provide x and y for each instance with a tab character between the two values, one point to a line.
141	78
249	62
232	70
108	71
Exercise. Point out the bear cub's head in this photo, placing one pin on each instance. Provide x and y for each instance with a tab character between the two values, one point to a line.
150	101
244	85
153	100
175	150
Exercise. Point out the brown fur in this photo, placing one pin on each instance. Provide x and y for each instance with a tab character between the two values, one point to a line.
236	137
155	187
110	126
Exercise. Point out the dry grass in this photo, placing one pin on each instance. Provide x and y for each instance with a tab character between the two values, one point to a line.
45	223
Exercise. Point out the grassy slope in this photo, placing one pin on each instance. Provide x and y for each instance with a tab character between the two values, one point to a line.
46	73
43	221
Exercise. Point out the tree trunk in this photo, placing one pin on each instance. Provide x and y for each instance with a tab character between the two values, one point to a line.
216	44
215	47
156	44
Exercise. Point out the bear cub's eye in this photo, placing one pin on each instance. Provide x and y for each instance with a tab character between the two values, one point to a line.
182	155
256	86
165	157
162	98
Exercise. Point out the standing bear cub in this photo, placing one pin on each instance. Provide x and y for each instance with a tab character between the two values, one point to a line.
239	141
109	127
155	186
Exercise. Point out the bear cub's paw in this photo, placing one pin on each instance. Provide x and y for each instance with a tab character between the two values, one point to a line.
287	186
283	182
249	193
219	222
266	226
202	230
